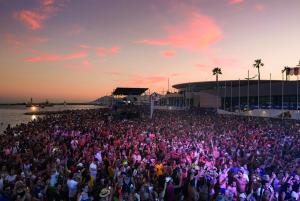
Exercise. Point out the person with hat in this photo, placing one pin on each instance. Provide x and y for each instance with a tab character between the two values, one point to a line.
105	194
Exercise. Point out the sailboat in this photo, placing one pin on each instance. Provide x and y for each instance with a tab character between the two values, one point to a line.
30	104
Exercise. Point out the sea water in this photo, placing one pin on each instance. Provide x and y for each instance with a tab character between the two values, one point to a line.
14	114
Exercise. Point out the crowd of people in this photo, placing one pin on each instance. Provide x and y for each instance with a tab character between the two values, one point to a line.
90	155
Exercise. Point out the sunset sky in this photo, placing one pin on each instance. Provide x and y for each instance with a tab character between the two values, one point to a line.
79	50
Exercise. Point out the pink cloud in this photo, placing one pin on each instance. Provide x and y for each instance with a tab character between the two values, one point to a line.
31	19
102	52
195	33
259	7
12	39
38	40
148	80
159	42
84	46
235	1
57	57
23	41
168	53
47	3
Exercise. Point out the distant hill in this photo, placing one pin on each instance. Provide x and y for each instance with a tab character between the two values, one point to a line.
104	100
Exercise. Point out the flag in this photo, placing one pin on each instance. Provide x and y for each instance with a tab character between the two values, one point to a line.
296	71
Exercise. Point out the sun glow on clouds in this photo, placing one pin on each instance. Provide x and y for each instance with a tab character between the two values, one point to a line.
48	3
13	40
168	53
235	1
259	7
102	52
146	80
57	57
33	19
195	33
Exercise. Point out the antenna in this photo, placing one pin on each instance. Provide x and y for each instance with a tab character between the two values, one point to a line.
168	85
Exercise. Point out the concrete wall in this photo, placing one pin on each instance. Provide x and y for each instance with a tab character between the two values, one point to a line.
206	100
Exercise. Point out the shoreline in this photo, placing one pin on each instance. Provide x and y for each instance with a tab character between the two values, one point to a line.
57	111
11	104
45	112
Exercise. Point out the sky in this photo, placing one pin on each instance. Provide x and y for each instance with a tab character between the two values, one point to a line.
80	50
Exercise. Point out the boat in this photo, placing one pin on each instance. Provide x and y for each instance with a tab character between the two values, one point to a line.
42	105
31	104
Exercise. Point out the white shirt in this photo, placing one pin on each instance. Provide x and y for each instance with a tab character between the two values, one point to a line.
72	185
93	169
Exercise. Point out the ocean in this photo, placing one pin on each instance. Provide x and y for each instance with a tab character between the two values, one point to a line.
14	114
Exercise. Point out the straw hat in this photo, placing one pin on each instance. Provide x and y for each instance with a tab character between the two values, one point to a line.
104	193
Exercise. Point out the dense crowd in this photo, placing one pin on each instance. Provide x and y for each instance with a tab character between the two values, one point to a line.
177	155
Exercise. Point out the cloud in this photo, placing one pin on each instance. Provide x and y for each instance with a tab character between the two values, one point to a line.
168	53
146	80
34	18
84	46
38	39
102	52
195	33
259	7
12	39
47	3
24	40
234	2
57	57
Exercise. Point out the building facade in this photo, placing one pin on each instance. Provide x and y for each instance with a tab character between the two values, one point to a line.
235	94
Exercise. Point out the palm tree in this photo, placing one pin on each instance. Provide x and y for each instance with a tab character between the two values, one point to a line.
257	65
286	70
217	71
